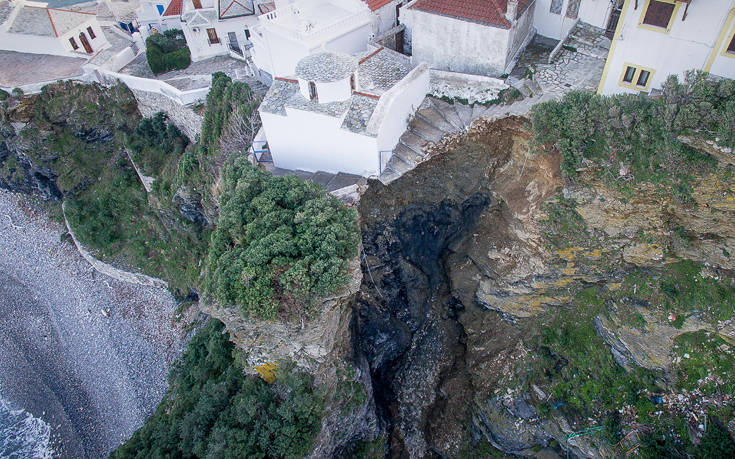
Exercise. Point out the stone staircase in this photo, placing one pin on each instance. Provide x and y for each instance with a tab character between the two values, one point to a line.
436	119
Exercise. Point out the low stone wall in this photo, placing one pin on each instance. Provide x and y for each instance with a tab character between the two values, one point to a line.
109	270
472	88
150	103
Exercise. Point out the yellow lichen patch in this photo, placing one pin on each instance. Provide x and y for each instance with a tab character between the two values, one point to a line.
563	282
267	371
613	286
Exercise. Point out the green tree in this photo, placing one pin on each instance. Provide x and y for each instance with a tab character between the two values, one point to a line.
277	239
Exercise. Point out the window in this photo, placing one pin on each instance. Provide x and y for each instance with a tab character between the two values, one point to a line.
247	34
197	4
91	33
312	91
659	14
73	43
573	9
731	47
556	6
636	77
629	74
212	35
160	9
353	84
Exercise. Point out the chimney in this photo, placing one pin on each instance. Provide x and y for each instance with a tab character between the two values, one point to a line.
512	10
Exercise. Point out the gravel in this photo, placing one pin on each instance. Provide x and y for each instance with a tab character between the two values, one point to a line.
88	354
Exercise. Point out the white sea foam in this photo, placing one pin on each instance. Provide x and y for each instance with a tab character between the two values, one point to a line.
22	435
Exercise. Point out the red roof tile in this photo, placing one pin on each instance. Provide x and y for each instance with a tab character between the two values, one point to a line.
490	12
375	4
173	9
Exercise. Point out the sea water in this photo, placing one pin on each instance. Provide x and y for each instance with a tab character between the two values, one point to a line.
22	435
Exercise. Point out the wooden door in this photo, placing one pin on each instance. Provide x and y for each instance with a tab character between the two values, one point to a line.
85	43
612	23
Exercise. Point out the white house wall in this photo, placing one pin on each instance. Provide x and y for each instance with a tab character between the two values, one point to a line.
548	24
457	45
520	34
98	43
198	42
278	54
316	142
686	46
398	105
724	65
595	12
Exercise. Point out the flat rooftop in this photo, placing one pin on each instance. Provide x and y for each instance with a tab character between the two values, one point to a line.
25	68
378	71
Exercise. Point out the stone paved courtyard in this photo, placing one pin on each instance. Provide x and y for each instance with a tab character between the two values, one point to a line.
578	65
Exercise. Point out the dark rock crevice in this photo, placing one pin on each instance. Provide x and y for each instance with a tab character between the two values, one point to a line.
407	320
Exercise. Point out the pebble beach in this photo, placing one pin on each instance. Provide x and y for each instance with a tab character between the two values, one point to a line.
87	354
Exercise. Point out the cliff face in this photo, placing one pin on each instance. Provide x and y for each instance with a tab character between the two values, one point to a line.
470	255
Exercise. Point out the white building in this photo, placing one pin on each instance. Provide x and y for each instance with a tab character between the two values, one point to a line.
555	18
656	38
220	27
159	15
470	36
31	27
342	113
298	28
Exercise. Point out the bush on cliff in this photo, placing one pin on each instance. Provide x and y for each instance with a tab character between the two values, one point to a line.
213	410
637	130
167	51
278	241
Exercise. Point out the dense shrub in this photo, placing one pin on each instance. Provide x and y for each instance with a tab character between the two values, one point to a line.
212	410
153	141
638	130
167	51
277	240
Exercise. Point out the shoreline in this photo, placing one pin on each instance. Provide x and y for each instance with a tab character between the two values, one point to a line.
93	376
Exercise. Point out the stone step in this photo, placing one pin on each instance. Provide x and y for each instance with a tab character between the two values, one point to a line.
464	113
413	142
448	112
478	111
433	117
402	154
425	130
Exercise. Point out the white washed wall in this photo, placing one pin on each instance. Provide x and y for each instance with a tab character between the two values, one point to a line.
686	46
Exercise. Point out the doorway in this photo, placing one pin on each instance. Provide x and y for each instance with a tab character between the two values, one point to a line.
85	43
612	23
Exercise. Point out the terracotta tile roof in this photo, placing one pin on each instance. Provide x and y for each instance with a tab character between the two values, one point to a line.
375	4
174	8
490	12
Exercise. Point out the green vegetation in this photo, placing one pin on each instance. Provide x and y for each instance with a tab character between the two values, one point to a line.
562	226
167	51
639	131
156	146
213	410
278	242
79	132
230	110
707	363
681	289
577	366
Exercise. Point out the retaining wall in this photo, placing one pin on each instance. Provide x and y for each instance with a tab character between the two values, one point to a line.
109	270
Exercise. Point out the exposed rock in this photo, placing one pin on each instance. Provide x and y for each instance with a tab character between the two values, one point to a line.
190	203
650	348
643	254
